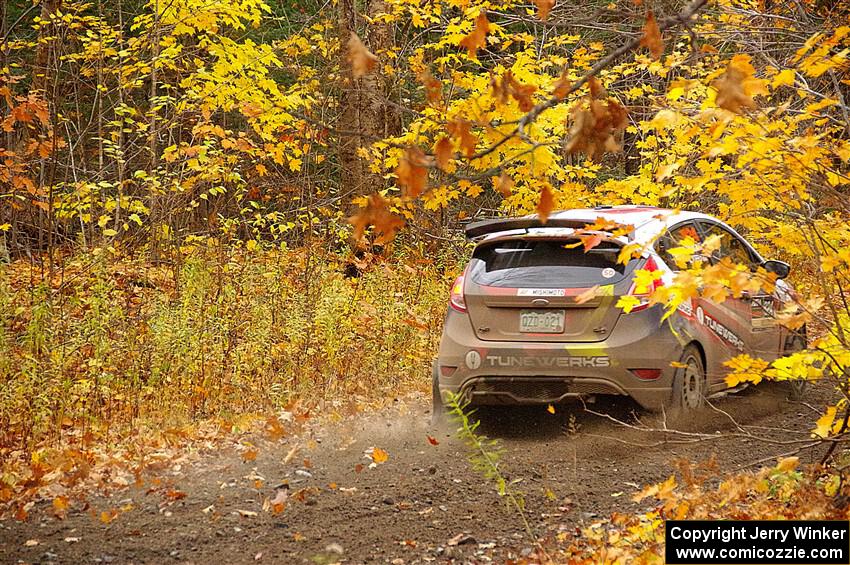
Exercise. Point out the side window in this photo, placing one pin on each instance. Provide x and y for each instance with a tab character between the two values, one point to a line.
674	238
730	245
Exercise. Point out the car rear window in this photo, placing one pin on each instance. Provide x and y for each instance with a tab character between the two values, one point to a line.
547	264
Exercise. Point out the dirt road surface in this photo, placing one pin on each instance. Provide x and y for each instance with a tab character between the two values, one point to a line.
424	504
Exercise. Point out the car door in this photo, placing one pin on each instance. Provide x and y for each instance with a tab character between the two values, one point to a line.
702	316
751	318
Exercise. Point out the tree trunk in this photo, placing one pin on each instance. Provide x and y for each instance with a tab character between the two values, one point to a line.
364	114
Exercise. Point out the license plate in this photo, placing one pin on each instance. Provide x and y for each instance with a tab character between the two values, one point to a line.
541	321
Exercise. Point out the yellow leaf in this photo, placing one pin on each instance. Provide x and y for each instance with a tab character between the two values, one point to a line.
379	455
823	427
550	409
787	464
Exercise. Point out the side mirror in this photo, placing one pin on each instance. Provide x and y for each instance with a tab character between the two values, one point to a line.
780	268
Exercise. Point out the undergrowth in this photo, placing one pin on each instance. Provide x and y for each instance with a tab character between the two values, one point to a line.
110	345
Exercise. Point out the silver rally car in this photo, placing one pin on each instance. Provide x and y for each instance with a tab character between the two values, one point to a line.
517	333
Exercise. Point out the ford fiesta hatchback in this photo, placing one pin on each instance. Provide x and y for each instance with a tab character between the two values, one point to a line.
517	333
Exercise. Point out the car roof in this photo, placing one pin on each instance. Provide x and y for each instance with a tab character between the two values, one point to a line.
649	221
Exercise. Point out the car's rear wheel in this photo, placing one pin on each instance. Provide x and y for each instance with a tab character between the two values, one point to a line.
689	385
438	410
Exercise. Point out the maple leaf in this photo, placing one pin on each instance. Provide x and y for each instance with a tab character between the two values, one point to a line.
504	184
477	38
737	86
433	87
278	503
377	214
379	455
412	172
550	409
563	86
520	92
543	8
587	295
462	130
651	38
443	152
362	60
546	203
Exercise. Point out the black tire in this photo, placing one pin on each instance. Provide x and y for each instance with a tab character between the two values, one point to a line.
689	384
438	410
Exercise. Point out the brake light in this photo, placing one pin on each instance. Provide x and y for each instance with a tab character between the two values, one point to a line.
646	374
652	267
456	299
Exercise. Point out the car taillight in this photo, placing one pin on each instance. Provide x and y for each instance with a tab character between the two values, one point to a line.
646	374
652	267
456	299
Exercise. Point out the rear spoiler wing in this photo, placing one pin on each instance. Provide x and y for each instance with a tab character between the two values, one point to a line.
475	230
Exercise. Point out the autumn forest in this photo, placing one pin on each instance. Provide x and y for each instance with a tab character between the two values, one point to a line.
228	230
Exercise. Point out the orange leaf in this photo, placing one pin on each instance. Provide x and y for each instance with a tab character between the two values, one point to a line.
358	468
379	455
60	505
550	409
443	152
433	441
462	130
652	37
412	172
543	8
546	204
477	38
563	86
249	455
376	213
587	295
108	515
504	184
433	87
730	90
590	241
362	60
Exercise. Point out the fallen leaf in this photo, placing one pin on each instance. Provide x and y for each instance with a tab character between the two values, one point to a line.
107	516
246	513
550	409
71	540
31	543
443	152
278	503
358	468
433	87
290	454
60	506
362	60
652	37
477	38
379	455
543	8
412	172
587	295
377	214
787	464
546	203
249	455
433	441
462	130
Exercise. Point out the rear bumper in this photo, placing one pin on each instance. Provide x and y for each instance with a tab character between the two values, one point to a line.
493	372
